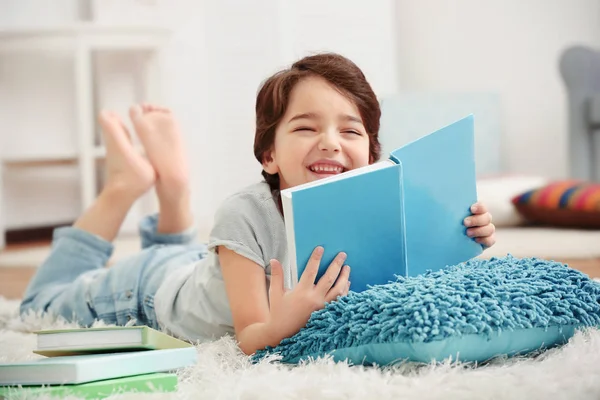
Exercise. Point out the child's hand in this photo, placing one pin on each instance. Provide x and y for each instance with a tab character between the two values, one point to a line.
479	225
290	310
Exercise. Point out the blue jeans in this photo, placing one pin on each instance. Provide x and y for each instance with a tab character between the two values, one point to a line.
73	283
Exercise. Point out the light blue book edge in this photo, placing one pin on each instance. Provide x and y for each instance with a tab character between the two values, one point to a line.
95	367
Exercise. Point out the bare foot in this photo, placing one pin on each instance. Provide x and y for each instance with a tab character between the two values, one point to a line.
127	170
160	135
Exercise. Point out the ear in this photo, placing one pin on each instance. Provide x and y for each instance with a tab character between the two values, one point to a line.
269	164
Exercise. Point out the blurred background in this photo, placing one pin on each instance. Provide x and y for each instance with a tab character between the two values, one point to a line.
61	61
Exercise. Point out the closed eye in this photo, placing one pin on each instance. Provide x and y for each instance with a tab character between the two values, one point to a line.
353	132
304	128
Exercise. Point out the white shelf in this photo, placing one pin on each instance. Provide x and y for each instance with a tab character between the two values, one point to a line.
27	160
95	36
39	159
80	40
99	152
84	27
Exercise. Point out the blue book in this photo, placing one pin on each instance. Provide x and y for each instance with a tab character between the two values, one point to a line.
95	367
399	217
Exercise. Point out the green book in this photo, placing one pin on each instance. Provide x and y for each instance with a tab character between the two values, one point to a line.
159	382
63	342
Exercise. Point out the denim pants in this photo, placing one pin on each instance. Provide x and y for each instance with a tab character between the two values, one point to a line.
73	282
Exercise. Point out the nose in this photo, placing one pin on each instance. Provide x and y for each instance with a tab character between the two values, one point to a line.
329	141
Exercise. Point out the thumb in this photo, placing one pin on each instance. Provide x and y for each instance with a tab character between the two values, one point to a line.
276	288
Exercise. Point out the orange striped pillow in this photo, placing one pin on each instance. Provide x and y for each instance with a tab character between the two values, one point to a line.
565	203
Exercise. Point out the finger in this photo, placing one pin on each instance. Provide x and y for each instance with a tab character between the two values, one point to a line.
276	289
487	241
482	231
341	286
478	208
312	268
478	220
333	271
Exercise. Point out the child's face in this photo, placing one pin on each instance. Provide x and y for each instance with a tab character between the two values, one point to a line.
320	135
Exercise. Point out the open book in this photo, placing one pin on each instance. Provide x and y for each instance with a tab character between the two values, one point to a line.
399	217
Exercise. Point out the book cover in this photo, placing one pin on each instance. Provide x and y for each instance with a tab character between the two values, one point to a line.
399	217
148	383
349	215
95	367
439	189
61	342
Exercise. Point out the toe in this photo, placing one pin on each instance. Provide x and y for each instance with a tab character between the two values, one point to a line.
135	112
155	108
125	130
113	128
109	122
104	117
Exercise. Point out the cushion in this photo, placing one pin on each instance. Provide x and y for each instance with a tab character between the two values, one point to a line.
566	203
496	192
473	311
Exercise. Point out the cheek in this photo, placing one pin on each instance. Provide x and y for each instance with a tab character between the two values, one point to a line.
292	153
291	162
360	154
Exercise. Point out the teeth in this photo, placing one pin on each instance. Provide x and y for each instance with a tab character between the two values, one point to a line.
326	168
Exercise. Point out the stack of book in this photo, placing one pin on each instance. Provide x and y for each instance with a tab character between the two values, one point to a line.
98	362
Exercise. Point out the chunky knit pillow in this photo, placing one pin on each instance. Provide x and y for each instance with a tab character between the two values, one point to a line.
568	203
472	312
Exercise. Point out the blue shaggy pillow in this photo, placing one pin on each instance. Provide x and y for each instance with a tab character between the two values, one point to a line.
473	311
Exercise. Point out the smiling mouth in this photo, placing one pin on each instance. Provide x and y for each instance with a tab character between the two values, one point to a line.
326	169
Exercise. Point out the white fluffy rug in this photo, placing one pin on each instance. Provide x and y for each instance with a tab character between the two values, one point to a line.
222	372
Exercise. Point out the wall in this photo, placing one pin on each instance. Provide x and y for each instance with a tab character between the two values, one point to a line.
363	31
222	50
219	54
277	34
510	47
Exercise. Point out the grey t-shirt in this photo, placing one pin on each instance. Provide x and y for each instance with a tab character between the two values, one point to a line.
192	303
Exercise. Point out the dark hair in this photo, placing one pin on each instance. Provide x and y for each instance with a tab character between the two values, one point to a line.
343	74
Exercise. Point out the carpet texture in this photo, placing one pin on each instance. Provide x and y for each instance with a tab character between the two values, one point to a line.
481	297
569	372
